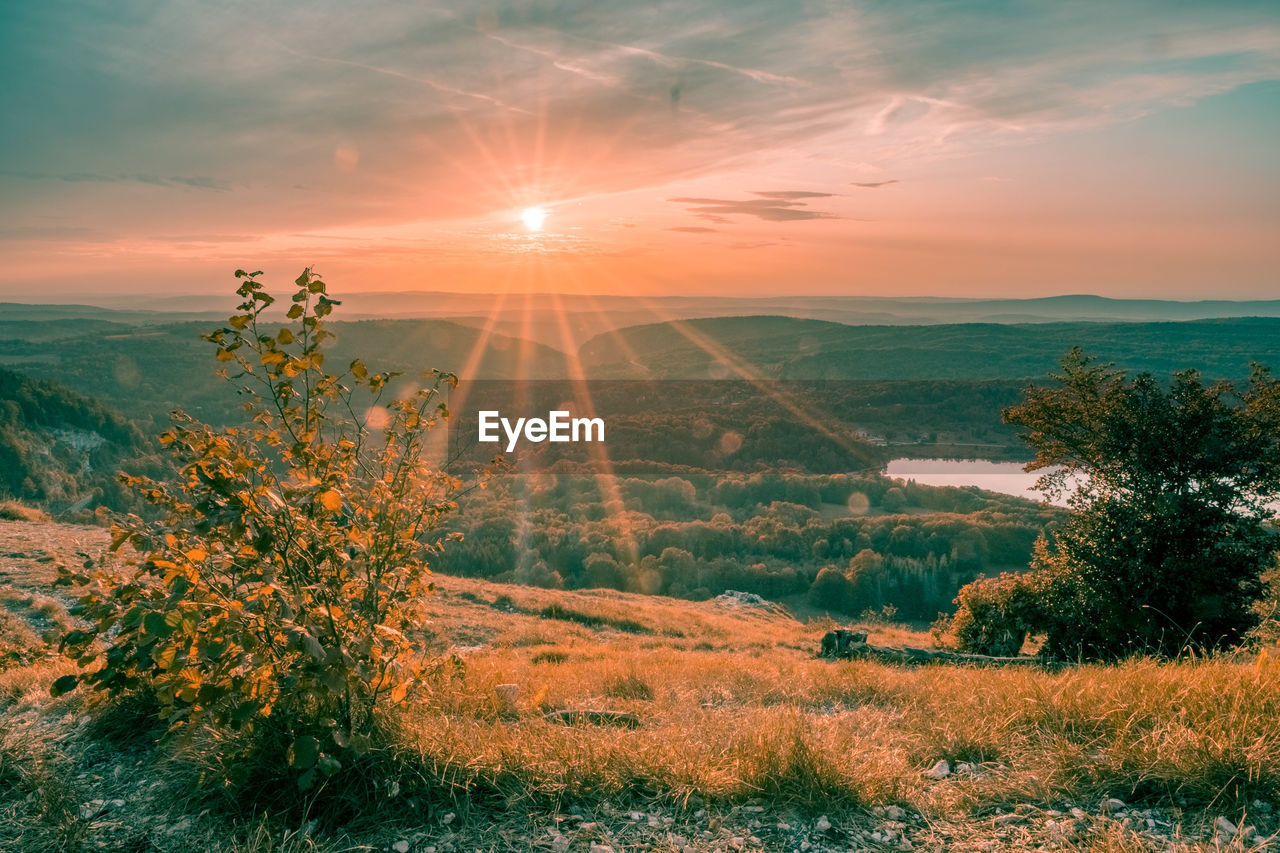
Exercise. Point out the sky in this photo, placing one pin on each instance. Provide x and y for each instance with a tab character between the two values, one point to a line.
726	147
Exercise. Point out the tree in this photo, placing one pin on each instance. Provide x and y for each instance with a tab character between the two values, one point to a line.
1167	538
290	557
830	590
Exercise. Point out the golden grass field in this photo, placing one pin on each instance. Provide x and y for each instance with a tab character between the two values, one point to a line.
746	741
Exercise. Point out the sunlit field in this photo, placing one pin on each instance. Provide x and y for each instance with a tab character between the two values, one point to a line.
737	730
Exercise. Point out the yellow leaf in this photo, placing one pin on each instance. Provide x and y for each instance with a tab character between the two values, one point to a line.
331	500
195	555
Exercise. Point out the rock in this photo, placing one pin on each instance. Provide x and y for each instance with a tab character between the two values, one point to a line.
448	819
560	844
1225	828
1112	805
895	813
1006	819
507	695
941	770
401	846
822	825
600	848
735	600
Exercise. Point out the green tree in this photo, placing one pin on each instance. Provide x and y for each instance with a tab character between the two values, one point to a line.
290	557
830	590
1167	537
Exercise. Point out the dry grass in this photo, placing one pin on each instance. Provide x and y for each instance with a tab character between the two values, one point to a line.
738	706
15	511
734	708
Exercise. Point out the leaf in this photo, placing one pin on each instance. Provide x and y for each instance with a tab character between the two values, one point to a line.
399	692
154	624
331	500
285	336
358	370
197	555
295	312
328	765
303	752
63	685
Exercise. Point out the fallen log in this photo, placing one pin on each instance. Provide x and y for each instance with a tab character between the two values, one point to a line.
916	657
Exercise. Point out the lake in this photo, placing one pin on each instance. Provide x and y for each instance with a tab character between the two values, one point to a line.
1005	477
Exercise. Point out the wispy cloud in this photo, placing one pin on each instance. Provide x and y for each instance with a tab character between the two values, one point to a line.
778	207
793	194
871	185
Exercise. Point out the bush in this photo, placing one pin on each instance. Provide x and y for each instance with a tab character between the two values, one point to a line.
290	558
994	616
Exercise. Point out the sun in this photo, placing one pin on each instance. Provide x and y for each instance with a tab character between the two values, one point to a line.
533	217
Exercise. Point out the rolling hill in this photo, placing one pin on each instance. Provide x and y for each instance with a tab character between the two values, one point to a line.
789	348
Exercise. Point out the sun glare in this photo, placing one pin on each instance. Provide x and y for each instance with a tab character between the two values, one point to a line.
533	217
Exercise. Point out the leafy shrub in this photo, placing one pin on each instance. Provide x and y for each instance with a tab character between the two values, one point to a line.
291	555
995	615
1168	535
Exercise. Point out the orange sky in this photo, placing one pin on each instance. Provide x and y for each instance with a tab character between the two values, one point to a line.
735	148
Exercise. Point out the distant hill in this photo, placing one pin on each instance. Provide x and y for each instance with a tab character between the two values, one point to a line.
788	348
151	369
565	321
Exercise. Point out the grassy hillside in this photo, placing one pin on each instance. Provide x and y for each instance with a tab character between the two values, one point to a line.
786	348
744	741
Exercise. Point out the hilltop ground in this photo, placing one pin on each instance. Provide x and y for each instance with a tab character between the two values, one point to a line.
745	741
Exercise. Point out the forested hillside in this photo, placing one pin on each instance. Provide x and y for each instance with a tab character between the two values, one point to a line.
62	449
785	348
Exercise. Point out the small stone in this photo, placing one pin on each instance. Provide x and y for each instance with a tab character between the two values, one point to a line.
1078	814
560	844
941	770
1007	819
822	825
895	813
753	809
508	696
448	819
600	848
1112	805
1225	827
401	846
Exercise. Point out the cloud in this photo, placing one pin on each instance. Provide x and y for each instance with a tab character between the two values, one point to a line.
793	194
874	184
777	207
694	229
199	182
